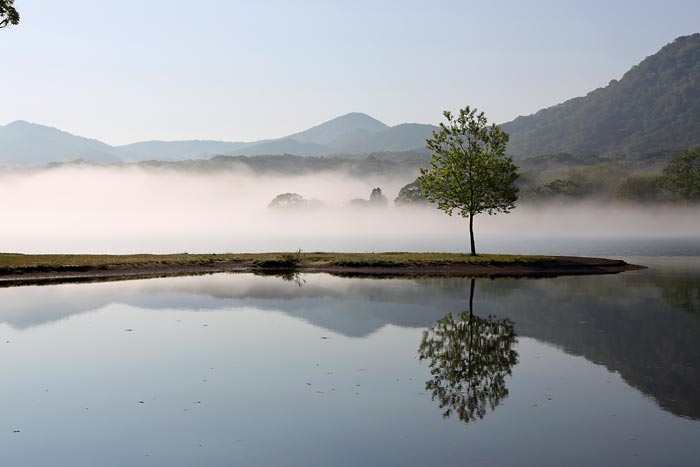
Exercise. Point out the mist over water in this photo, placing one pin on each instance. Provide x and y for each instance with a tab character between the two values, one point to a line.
132	209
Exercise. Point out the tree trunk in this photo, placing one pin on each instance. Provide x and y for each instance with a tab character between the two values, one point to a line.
471	234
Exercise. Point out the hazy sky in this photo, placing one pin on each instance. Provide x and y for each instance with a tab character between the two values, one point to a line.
129	70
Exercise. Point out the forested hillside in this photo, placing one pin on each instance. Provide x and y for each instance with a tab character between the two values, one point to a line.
654	107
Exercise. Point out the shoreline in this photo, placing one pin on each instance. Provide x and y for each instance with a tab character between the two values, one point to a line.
17	269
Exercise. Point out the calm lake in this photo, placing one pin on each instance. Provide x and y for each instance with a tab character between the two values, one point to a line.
317	370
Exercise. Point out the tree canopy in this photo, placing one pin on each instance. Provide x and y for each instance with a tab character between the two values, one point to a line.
411	194
293	201
469	171
8	13
681	177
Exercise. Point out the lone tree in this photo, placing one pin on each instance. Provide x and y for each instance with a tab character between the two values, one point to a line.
8	14
470	172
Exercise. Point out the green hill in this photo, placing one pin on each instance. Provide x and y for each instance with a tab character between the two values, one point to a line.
655	106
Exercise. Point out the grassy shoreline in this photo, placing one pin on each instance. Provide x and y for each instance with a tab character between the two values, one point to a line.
20	268
16	262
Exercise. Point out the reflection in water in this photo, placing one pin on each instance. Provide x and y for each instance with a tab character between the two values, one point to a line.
237	369
469	360
287	276
682	293
643	325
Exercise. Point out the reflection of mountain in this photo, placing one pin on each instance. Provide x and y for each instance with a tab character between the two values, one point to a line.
680	287
630	323
636	334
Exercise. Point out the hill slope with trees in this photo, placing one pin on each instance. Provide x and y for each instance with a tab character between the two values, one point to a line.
655	106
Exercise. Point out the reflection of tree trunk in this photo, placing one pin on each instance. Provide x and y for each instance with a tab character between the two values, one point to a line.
470	344
471	298
471	233
471	368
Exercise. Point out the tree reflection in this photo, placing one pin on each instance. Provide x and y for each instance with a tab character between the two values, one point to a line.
682	293
469	360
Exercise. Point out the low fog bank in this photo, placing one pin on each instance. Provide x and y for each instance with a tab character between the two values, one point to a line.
133	209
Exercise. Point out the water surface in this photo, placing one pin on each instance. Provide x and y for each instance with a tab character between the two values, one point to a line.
238	369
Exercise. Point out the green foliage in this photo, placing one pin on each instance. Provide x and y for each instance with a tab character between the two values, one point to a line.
681	177
639	188
8	13
655	106
411	194
558	189
600	180
470	172
563	177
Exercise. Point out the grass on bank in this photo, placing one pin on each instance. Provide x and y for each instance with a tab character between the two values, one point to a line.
13	263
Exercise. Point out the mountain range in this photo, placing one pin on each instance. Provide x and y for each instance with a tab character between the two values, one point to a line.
654	107
24	143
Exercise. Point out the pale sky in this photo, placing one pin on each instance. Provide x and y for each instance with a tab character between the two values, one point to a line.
130	70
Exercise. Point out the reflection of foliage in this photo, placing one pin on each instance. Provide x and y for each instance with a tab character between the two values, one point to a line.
469	360
682	293
680	288
295	277
287	276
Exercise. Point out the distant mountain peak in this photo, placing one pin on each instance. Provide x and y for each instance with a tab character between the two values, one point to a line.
19	123
358	117
25	125
329	131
